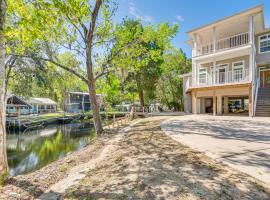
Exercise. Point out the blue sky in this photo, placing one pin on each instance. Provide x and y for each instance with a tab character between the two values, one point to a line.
188	14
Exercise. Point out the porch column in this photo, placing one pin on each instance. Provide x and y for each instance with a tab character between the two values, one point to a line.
214	72
203	105
250	103
226	105
214	104
251	55
219	105
214	39
194	103
195	45
194	73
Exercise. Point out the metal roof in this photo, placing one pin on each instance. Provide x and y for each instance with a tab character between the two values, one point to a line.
15	100
45	101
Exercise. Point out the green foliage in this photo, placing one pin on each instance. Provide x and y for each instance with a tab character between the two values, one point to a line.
142	56
46	80
170	86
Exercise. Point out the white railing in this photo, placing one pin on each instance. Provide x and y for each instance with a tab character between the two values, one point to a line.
225	43
188	84
219	78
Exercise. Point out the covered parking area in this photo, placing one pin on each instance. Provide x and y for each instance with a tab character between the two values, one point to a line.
222	99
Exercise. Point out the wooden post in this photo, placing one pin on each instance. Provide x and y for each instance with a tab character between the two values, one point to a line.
113	119
203	105
194	103
226	105
214	104
219	105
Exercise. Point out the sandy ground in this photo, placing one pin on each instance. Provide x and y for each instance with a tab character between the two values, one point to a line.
241	142
148	164
142	162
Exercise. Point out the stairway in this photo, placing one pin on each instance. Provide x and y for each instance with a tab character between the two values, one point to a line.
263	102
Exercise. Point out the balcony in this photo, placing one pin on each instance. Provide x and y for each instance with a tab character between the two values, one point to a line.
220	78
236	76
224	44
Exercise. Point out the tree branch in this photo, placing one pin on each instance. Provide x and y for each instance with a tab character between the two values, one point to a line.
57	64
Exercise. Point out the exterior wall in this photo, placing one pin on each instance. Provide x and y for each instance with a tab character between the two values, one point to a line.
186	97
228	61
232	60
264	57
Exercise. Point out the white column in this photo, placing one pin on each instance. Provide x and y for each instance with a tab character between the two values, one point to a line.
251	54
194	64
195	45
214	71
251	64
194	73
214	39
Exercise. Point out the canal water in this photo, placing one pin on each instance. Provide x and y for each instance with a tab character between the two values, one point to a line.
30	150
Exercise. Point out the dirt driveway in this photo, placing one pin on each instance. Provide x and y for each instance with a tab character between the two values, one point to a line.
241	142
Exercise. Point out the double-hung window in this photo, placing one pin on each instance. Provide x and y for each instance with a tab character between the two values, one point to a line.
238	71
264	43
202	76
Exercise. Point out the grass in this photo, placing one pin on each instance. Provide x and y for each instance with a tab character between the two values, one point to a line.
3	177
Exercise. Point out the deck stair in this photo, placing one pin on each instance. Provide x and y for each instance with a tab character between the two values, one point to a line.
263	102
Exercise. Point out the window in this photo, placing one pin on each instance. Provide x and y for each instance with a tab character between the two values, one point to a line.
202	76
238	71
264	43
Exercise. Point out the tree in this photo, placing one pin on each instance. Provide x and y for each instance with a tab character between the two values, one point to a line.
3	154
143	57
46	28
170	86
30	79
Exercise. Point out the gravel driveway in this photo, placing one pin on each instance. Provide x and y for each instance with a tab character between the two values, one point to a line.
241	142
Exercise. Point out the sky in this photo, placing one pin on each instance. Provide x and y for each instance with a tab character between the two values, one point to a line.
188	14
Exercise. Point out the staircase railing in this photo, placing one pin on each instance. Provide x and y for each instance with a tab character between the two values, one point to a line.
257	83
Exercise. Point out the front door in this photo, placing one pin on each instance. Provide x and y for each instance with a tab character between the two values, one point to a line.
222	69
265	77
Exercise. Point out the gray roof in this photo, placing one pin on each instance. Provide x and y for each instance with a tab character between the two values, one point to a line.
44	101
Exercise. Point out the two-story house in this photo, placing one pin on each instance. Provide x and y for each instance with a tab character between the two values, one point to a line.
230	63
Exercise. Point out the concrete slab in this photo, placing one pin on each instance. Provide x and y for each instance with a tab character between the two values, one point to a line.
240	142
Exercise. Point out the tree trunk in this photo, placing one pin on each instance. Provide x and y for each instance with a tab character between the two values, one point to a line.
89	67
140	90
3	153
92	92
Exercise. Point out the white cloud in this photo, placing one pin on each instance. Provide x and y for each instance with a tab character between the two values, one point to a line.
179	18
138	14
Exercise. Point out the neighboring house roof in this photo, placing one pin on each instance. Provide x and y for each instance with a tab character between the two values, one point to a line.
185	75
251	10
45	101
83	93
15	100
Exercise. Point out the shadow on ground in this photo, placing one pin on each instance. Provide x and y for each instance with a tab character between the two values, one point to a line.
150	165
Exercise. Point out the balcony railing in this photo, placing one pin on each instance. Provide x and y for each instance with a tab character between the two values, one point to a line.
225	43
219	78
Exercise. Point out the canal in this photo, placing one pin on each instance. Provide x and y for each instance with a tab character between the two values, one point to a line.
30	150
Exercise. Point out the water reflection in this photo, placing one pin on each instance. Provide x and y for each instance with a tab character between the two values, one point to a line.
34	149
